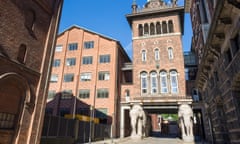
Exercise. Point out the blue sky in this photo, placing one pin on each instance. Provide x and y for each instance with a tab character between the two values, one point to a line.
107	17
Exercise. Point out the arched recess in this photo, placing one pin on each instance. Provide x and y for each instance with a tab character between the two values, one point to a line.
16	97
170	26
140	30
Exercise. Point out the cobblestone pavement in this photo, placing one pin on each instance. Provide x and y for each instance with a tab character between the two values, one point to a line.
149	140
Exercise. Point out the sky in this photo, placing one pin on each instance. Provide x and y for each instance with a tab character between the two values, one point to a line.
108	17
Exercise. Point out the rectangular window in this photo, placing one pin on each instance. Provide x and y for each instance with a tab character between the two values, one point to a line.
58	48
89	44
170	53
51	94
54	78
102	93
72	46
87	60
163	79
71	61
85	76
104	59
67	94
103	75
68	77
84	93
56	63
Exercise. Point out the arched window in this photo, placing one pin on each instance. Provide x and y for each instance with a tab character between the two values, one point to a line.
163	82
170	26
22	53
140	30
174	82
146	29
144	55
153	82
156	54
152	29
158	28
164	27
30	18
144	83
170	53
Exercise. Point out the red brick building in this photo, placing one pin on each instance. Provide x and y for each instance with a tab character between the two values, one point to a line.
28	30
88	65
158	66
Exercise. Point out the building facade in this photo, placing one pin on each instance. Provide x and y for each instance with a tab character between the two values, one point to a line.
88	66
216	41
158	77
28	31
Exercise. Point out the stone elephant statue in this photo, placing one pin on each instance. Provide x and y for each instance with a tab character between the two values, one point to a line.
138	121
185	115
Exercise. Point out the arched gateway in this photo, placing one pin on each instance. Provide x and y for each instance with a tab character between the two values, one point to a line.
158	77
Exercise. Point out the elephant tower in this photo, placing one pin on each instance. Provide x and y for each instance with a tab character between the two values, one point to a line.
155	79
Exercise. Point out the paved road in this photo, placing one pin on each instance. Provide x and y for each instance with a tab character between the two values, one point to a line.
149	140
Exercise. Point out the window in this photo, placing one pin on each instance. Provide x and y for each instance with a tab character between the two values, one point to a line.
85	76
22	53
89	44
144	55
51	94
30	19
156	53
127	93
66	94
68	77
84	93
58	48
146	29
158	28
71	61
153	83
104	58
102	93
144	83
163	80
72	46
170	26
56	63
140	30
103	76
170	53
152	29
87	60
54	78
164	27
174	82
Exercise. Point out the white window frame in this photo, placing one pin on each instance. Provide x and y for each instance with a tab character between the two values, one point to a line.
144	55
156	54
58	48
163	76
86	76
170	53
174	85
154	83
144	83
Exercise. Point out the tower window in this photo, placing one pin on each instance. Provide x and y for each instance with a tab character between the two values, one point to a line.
144	83
153	82
164	27
140	30
152	29
174	82
156	53
170	53
144	55
170	26
158	28
163	80
146	29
